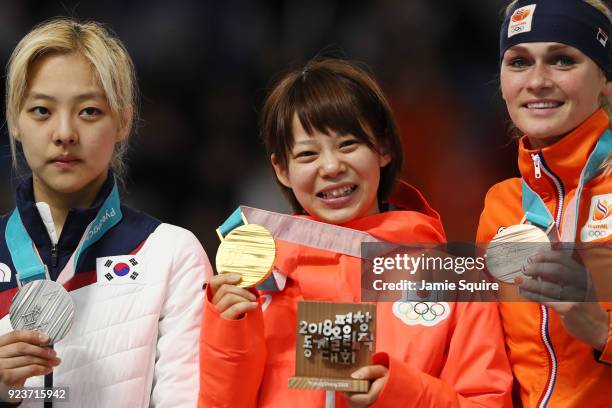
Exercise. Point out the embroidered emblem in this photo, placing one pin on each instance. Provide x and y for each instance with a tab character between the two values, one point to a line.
599	223
421	313
521	20
119	269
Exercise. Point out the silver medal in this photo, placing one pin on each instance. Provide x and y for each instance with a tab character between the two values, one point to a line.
509	250
45	306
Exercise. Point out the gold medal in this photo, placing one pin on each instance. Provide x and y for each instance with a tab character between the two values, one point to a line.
249	251
509	250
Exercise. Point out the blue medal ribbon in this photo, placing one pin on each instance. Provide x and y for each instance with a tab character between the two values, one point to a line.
537	213
23	251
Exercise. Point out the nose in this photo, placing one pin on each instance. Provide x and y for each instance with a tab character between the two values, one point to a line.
539	77
331	165
64	132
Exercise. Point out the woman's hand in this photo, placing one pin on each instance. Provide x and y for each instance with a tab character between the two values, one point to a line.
558	281
376	373
231	301
22	355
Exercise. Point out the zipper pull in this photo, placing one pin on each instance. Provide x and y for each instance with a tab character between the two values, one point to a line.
54	256
536	165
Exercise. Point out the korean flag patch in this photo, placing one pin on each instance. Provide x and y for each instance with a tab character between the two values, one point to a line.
120	270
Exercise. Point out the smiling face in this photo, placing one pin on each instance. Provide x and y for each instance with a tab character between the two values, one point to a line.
550	89
334	177
66	128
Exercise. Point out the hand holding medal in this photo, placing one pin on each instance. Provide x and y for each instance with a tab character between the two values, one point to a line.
245	259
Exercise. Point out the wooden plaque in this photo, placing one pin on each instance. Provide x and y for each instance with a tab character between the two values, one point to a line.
333	341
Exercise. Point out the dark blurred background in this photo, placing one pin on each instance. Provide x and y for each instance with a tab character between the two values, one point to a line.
204	68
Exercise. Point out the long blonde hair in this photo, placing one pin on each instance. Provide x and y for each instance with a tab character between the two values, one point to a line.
606	102
108	56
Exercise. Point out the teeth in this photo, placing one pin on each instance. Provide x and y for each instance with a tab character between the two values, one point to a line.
341	192
543	105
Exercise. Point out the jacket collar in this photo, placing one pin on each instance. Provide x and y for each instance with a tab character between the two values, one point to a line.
565	158
76	221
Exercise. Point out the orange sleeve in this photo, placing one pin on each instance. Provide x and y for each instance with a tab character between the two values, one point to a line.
232	358
606	353
476	373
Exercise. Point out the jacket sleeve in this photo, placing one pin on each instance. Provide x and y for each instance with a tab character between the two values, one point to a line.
232	358
605	356
175	381
476	372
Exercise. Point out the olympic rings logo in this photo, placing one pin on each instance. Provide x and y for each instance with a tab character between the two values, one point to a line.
424	313
597	234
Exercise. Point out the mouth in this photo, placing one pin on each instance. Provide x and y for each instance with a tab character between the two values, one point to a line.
543	104
337	192
65	161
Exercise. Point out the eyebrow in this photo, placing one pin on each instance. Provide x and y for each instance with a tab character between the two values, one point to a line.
80	97
550	48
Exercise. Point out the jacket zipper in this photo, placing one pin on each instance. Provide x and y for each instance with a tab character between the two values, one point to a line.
539	167
54	256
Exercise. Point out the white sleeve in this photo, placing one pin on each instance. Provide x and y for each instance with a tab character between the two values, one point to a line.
176	376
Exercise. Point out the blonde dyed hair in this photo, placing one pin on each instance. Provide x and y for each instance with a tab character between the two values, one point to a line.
108	57
606	102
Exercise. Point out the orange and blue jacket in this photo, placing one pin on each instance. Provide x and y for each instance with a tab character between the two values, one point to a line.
551	367
459	362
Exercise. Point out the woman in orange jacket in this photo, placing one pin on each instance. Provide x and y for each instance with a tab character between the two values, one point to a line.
336	152
556	68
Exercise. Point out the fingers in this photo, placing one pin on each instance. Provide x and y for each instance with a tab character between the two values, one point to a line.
26	349
558	267
23	361
370	372
232	291
378	373
17	376
238	309
223	279
230	300
26	336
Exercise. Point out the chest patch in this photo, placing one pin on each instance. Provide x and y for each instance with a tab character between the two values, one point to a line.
120	270
421	313
599	223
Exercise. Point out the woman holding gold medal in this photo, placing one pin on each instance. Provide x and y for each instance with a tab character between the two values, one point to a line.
105	299
556	68
336	152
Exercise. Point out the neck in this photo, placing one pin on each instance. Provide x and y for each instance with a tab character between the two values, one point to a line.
61	202
540	143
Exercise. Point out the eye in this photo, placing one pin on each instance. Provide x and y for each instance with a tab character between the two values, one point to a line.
564	61
518	63
348	143
90	112
40	112
304	154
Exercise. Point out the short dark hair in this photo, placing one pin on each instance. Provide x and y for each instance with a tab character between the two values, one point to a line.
331	95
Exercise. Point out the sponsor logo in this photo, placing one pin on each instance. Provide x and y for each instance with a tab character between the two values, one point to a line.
521	20
602	37
599	223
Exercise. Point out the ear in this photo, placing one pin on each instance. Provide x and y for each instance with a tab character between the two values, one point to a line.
15	133
384	159
281	172
607	89
126	120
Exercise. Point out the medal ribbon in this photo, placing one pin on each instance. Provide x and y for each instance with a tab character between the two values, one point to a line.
25	256
299	231
536	211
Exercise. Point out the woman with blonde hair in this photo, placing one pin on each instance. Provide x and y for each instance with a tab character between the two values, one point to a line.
135	283
556	72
